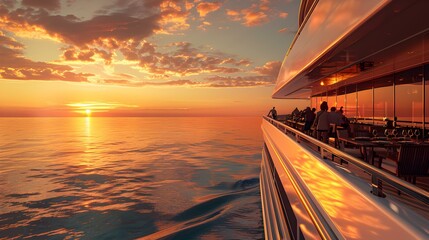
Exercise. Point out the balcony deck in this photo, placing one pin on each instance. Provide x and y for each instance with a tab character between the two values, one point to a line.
311	146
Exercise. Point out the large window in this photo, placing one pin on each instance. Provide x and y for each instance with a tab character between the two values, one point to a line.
408	96
351	101
341	98
364	95
319	101
323	97
426	76
314	102
383	97
332	99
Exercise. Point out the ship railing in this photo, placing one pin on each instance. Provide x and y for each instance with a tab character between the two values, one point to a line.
378	176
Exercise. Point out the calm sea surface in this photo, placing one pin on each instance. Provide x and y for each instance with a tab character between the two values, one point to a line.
127	178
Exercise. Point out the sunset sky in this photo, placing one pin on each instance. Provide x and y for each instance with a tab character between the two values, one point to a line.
143	57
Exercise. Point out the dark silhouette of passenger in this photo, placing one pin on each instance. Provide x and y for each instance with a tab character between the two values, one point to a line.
335	117
309	117
322	122
273	113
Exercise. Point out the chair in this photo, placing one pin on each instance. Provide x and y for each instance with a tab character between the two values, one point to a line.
333	138
412	161
355	152
360	130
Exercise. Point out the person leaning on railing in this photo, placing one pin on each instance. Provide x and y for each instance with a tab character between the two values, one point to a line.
273	113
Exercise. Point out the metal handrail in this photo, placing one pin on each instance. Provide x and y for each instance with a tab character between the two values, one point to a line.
324	226
378	175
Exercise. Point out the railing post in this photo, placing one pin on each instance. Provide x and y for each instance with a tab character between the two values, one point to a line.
377	186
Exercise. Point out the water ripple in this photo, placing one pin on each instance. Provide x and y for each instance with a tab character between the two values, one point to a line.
128	178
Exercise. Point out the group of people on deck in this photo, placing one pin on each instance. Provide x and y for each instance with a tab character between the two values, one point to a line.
324	119
320	121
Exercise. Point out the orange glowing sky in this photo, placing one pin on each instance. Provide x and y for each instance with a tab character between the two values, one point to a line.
143	57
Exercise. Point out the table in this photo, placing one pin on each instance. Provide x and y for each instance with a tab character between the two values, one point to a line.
391	145
362	144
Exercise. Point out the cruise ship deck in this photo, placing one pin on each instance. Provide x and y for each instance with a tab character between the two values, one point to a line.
370	58
314	190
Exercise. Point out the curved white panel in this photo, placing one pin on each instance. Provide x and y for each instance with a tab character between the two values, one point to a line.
329	23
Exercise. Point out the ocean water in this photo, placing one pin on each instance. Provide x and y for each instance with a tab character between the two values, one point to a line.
128	178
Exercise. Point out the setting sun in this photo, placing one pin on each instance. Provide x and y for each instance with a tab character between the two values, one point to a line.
88	112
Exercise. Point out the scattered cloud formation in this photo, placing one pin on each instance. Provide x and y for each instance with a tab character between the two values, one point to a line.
270	68
182	60
255	15
13	65
204	25
266	75
121	33
251	81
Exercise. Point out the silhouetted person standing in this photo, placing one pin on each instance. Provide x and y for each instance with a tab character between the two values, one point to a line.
309	117
273	113
322	122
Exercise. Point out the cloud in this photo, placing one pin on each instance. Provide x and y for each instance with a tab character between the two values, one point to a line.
266	76
254	18
283	15
73	55
100	36
182	60
129	83
249	17
46	4
205	8
271	68
72	30
14	66
173	14
174	17
283	30
119	34
203	26
255	14
87	55
251	81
